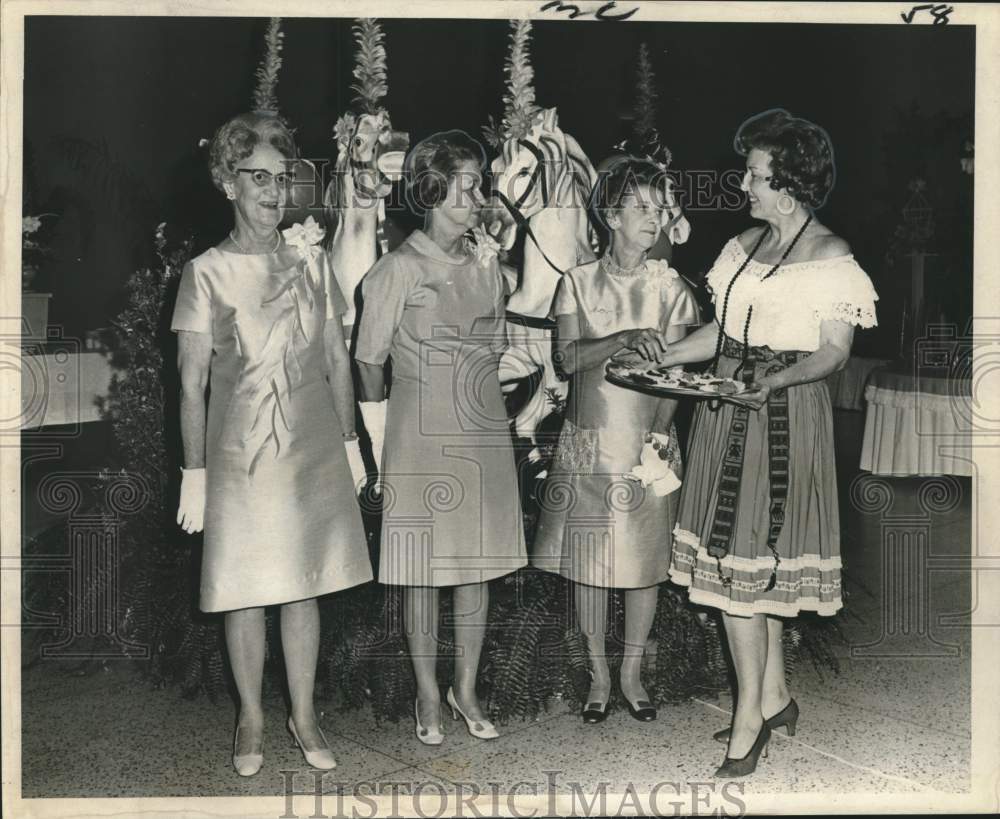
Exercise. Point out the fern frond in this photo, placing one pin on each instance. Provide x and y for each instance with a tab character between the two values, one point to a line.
370	69
644	122
265	97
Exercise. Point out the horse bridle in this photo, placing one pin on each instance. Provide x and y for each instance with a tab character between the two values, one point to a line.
514	208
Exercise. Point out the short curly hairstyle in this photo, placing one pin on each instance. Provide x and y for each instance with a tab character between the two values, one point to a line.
801	154
238	138
622	178
432	162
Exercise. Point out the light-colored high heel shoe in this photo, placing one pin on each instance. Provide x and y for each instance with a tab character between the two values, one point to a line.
480	728
246	764
321	759
428	736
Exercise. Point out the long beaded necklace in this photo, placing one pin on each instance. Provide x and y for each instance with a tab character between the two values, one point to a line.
729	289
277	236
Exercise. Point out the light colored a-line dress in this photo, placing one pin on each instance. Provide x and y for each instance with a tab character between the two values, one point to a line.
788	309
451	508
597	527
282	522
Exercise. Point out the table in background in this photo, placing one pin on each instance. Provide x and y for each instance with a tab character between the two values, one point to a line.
917	424
62	385
847	386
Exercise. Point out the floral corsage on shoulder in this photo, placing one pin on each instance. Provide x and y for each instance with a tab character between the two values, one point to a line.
657	268
305	238
479	242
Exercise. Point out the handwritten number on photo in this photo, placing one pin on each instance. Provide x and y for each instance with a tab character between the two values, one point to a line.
939	11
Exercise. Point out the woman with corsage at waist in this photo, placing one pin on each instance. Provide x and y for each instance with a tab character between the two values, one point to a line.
451	514
758	532
609	501
272	469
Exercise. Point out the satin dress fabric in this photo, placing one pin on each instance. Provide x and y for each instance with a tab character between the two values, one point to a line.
282	522
596	527
451	507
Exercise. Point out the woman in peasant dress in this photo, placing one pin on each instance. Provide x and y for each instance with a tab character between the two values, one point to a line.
758	533
451	511
271	470
597	527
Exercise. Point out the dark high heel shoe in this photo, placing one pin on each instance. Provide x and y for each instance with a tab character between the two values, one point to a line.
787	716
746	765
642	710
595	712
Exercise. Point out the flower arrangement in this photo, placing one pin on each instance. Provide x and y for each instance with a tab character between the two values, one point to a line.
34	247
265	98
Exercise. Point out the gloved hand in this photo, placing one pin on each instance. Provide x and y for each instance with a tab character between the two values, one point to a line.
359	474
191	510
653	469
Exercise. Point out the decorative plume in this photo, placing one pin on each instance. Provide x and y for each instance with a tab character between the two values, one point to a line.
265	99
519	101
370	68
645	139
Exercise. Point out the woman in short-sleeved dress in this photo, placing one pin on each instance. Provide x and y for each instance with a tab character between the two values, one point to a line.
597	527
451	511
758	533
271	471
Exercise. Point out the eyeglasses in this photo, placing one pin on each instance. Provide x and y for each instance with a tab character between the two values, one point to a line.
261	178
750	173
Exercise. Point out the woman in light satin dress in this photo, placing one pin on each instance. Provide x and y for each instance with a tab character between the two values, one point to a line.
271	470
598	528
451	513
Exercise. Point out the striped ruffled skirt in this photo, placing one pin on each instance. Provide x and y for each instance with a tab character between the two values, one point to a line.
807	572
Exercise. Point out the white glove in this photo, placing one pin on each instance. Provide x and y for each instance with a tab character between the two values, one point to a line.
359	474
653	469
191	510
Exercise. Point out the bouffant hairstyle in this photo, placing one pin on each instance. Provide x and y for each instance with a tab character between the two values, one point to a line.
801	154
432	162
238	138
622	178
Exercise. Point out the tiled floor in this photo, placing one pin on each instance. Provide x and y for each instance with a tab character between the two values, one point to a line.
896	719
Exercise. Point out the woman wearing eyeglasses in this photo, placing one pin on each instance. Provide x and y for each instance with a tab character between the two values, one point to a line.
271	469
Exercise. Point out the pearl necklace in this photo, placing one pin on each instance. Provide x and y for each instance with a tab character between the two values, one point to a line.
613	268
277	236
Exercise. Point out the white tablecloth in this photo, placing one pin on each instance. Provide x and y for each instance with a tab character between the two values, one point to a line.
847	386
916	426
63	387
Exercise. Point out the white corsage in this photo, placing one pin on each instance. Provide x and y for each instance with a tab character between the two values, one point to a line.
304	237
483	245
659	267
653	469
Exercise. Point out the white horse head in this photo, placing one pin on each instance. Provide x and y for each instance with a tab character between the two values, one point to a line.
546	168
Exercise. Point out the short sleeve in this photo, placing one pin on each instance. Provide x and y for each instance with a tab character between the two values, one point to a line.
336	304
848	296
193	309
384	290
681	307
566	309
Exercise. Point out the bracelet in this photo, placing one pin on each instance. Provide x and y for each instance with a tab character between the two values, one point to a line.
350	436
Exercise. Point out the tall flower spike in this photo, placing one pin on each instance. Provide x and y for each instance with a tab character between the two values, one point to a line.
265	98
519	101
370	66
645	137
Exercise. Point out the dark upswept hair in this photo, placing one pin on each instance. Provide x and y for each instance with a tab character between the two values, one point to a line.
801	154
239	137
622	178
432	162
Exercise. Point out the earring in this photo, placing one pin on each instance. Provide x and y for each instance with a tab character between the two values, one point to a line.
230	195
785	205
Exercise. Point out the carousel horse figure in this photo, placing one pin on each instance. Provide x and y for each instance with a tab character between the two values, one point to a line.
541	181
369	160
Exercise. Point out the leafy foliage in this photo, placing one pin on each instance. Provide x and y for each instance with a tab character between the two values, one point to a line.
265	96
519	101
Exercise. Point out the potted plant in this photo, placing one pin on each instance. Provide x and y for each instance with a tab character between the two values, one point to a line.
34	306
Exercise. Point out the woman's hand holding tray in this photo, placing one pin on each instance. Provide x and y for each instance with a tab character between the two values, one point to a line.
672	381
